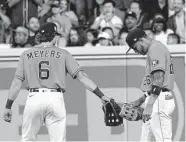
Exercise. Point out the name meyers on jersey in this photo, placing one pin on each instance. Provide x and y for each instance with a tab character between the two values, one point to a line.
45	54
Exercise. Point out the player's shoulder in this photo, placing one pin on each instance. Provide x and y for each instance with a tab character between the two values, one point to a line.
25	52
159	47
64	51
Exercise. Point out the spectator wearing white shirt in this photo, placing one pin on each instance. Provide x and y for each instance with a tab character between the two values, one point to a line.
159	28
108	18
177	22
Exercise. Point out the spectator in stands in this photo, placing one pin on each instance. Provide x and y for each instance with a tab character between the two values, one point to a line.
62	41
99	9
64	21
21	37
65	10
160	6
4	26
108	18
104	39
159	28
121	4
91	35
177	22
122	37
75	38
136	7
79	7
130	21
45	8
109	30
20	11
33	27
173	39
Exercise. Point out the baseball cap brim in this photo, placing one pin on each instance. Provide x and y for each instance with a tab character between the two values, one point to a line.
58	34
128	50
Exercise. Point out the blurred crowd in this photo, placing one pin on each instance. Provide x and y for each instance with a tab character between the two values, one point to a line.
92	22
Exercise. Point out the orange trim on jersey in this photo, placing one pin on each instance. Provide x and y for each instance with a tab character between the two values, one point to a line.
22	79
74	75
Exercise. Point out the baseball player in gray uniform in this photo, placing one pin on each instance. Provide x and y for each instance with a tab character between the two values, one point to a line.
157	84
43	69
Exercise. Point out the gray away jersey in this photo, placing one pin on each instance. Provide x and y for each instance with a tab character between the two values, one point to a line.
158	58
46	67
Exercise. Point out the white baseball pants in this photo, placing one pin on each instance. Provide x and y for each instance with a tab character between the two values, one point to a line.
44	108
159	127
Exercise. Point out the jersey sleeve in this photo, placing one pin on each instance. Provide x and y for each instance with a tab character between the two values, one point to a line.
72	66
20	69
157	60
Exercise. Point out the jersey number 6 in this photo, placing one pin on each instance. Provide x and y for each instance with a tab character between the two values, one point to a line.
43	72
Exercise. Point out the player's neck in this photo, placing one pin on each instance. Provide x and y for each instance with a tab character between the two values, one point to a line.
148	42
47	44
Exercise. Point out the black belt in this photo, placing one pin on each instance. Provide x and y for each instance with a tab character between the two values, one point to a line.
45	90
163	90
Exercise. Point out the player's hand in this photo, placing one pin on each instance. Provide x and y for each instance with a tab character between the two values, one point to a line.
105	99
147	113
7	116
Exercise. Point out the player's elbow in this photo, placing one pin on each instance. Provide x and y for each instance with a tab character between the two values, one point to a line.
16	84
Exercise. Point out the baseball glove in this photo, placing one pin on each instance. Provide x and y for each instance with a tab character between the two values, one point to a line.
111	113
131	113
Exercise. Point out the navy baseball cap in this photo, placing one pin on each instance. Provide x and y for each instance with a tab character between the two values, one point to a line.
132	14
48	28
133	36
56	3
110	1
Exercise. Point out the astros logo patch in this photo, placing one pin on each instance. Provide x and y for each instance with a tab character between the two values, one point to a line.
155	62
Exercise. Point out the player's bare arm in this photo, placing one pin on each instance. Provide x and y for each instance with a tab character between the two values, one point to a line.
139	101
158	79
12	95
90	85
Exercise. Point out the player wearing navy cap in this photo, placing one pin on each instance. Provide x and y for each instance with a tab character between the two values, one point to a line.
43	68
157	85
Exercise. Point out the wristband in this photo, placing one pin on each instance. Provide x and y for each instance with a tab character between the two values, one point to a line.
156	90
9	104
98	92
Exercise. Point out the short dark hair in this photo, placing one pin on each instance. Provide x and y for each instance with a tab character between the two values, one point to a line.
175	36
138	2
93	31
107	28
110	1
